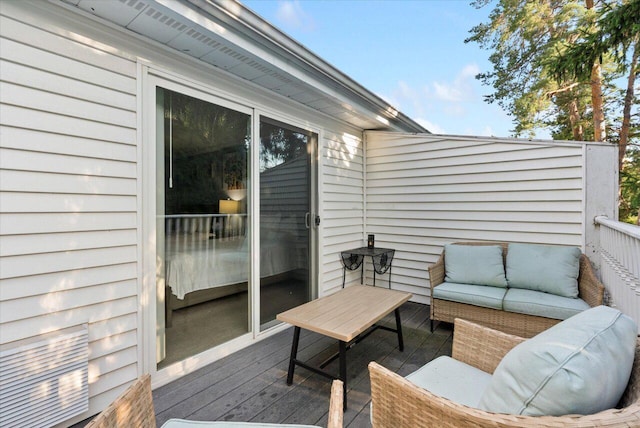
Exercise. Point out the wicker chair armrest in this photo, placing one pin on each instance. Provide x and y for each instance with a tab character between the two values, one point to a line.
134	408
336	409
481	347
398	403
590	289
436	272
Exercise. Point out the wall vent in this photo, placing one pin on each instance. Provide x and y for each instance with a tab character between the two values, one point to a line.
43	380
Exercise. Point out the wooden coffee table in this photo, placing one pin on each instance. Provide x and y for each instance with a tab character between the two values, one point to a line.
349	316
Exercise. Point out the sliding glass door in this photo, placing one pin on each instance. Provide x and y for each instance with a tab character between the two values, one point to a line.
210	296
202	242
286	218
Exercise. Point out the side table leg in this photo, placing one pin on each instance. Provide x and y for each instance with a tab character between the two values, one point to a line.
399	330
343	371
294	354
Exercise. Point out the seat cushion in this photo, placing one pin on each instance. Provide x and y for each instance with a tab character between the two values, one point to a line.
452	379
478	295
474	264
549	268
579	366
542	304
183	423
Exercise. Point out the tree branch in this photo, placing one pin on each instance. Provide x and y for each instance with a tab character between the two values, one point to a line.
560	90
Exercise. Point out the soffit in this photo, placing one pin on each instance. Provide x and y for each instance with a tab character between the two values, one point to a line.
212	36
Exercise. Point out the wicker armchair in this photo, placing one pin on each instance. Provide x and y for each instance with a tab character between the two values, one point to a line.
134	408
590	290
398	403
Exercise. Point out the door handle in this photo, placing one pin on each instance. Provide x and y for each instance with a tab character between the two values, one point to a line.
306	219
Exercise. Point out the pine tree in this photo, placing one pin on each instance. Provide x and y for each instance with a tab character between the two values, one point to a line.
570	66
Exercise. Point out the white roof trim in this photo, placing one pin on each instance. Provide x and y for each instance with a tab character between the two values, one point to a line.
248	23
227	35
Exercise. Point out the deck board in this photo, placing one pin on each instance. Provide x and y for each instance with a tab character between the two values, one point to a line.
250	385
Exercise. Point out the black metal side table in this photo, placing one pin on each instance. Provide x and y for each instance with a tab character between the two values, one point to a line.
380	257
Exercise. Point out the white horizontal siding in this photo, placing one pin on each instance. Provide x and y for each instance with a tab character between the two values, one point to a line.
63	300
68	193
42	284
69	183
35	141
59	319
20	160
342	204
423	191
65	183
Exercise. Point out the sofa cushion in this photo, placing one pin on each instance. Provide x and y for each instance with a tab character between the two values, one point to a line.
541	304
478	295
474	264
452	379
548	268
579	366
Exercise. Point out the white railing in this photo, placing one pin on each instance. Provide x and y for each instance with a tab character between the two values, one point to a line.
215	226
619	252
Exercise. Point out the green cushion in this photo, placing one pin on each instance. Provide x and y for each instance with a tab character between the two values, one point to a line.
452	379
548	268
579	366
477	295
541	304
474	264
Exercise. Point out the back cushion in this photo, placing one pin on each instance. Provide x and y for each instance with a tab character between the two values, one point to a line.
579	366
474	264
548	268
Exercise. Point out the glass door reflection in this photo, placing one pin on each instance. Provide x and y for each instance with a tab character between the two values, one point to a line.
202	240
285	207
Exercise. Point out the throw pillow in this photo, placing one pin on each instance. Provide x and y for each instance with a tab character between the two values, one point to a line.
474	264
579	366
549	268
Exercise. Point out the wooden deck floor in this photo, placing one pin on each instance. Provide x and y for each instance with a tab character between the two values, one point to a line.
250	385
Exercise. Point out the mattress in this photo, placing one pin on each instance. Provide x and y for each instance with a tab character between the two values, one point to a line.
195	262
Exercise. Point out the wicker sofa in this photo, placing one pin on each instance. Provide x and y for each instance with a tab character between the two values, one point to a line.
398	403
590	289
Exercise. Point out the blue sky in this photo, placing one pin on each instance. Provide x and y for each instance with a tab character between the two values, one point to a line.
410	53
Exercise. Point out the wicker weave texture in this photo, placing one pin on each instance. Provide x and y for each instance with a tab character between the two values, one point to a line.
397	403
481	347
336	410
590	290
134	408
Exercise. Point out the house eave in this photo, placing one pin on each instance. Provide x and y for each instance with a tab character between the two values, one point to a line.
229	36
246	22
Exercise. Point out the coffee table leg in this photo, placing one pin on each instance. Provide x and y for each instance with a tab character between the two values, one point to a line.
399	329
343	371
294	354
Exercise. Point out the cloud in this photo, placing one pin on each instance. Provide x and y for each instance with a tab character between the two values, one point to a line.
458	90
404	97
449	107
291	15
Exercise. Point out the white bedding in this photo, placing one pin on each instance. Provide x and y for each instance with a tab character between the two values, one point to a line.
197	263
